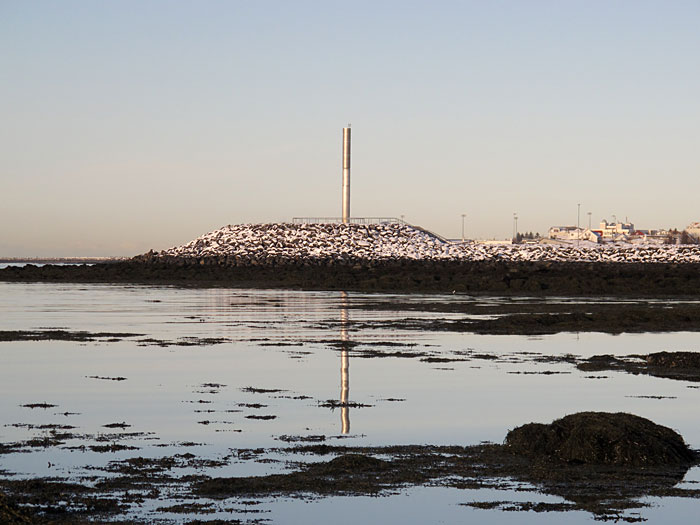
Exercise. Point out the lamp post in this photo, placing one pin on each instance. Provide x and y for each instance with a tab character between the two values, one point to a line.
463	216
589	220
578	222
515	227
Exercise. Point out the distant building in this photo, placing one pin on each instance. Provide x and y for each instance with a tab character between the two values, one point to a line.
572	233
650	236
625	232
693	230
615	230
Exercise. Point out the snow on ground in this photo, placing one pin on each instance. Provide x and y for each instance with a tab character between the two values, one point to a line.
401	241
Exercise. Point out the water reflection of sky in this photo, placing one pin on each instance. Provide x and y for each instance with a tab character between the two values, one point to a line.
409	401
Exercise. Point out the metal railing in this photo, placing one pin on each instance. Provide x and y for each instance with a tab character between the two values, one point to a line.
431	233
351	220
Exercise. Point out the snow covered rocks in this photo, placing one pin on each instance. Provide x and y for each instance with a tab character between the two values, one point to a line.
284	242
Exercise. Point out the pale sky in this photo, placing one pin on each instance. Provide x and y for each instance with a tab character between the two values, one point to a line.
131	125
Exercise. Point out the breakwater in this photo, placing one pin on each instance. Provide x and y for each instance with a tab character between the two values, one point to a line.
473	277
391	258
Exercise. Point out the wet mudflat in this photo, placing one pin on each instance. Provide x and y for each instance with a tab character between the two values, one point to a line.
549	316
135	404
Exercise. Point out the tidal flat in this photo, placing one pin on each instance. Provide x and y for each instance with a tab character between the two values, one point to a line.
152	403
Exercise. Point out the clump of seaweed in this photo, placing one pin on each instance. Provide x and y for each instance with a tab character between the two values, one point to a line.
601	438
680	366
11	515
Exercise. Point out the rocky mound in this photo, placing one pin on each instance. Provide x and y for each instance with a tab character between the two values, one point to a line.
279	242
601	438
293	241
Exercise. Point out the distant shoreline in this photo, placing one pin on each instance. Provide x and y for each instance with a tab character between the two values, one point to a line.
60	260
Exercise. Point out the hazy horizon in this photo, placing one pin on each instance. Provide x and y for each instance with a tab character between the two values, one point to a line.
131	126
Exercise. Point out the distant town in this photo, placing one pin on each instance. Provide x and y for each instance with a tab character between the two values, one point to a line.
611	232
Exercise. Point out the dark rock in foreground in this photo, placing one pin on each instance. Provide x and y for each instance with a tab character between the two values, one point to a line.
601	438
11	515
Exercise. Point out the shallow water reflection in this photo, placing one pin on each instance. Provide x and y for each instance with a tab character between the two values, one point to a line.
344	365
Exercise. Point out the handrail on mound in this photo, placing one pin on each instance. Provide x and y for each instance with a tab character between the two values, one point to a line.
351	220
432	234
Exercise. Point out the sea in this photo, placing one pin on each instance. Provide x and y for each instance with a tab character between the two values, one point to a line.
212	371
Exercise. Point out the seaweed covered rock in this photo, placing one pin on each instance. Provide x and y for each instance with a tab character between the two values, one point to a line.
601	438
11	515
348	473
350	463
682	360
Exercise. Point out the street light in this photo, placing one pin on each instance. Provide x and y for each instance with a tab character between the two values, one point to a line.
589	220
463	216
578	222
515	227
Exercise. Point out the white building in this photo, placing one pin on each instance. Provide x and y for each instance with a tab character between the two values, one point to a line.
694	230
609	230
572	233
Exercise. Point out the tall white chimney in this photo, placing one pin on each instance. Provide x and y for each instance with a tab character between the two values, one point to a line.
346	174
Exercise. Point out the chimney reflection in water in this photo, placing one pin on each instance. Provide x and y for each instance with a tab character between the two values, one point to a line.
344	364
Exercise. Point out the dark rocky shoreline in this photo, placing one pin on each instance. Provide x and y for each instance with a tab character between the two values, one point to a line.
540	278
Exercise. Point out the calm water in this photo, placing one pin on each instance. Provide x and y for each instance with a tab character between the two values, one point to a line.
304	346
